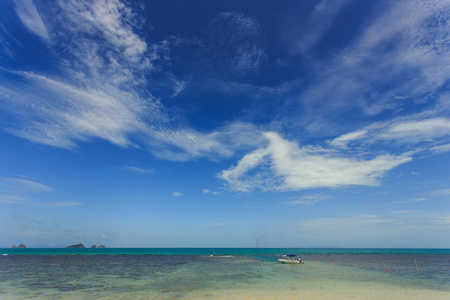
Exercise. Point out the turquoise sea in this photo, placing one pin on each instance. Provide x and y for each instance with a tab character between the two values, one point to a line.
225	273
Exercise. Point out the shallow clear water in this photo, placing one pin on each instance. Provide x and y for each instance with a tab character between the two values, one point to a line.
192	273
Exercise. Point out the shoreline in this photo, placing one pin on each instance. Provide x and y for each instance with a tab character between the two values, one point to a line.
364	291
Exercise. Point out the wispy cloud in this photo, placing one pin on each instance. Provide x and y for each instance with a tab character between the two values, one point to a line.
432	134
5	45
177	194
412	200
237	40
102	63
21	191
440	149
443	220
24	185
343	140
59	204
206	191
443	192
283	166
305	200
405	212
29	15
137	170
12	199
418	130
393	66
314	28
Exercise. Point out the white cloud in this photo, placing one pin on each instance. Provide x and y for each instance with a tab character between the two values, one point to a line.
177	194
59	204
12	199
343	140
5	45
405	212
179	86
412	200
137	170
443	192
440	149
75	114
24	185
104	61
305	200
418	130
284	166
206	191
30	17
443	220
112	19
414	129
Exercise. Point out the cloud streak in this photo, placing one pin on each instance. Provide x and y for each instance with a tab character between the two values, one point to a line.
28	14
137	170
317	25
24	185
20	190
432	133
305	200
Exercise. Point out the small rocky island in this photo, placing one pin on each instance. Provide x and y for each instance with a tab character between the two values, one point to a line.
76	246
20	246
80	246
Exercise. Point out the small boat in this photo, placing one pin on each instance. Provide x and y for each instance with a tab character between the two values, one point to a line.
290	259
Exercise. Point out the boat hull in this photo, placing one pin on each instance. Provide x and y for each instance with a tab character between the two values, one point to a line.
289	261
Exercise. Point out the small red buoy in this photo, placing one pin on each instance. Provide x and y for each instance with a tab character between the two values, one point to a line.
355	266
387	270
317	261
333	262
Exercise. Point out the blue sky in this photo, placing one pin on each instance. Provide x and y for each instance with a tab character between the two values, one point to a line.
225	123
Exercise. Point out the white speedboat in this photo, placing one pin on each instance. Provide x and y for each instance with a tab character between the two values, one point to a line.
290	259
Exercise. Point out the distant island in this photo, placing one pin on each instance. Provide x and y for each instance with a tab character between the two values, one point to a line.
80	246
20	246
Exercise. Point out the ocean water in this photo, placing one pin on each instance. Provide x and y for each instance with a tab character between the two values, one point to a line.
224	274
